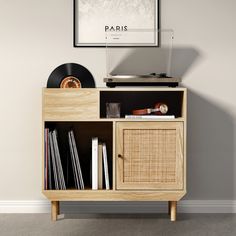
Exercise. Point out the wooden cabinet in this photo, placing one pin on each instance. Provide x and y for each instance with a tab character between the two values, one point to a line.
146	157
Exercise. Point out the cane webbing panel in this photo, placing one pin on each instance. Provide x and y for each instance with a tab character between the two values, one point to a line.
149	155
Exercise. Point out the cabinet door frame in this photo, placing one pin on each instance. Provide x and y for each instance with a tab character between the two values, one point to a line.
179	168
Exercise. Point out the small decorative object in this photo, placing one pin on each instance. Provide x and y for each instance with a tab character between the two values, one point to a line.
159	109
93	18
112	110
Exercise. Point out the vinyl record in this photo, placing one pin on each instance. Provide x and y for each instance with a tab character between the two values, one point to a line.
70	75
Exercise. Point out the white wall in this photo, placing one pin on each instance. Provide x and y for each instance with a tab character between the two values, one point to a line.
208	27
36	37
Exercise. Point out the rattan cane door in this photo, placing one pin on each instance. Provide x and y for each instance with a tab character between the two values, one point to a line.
149	155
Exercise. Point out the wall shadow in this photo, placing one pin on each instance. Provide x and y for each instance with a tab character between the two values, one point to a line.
139	61
210	150
183	60
210	161
210	135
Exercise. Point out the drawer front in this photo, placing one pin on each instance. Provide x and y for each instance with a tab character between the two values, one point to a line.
70	104
150	155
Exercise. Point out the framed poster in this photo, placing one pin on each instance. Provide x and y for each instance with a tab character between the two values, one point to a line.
137	21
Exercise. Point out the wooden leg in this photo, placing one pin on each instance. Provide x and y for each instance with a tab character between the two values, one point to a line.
54	210
173	210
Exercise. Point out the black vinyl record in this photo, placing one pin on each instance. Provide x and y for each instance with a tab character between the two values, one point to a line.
70	75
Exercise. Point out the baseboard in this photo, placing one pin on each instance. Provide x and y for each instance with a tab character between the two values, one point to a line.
207	206
24	206
185	206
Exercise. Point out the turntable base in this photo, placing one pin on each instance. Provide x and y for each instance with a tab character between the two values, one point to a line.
138	80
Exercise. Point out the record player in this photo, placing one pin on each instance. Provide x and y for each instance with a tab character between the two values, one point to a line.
148	65
141	80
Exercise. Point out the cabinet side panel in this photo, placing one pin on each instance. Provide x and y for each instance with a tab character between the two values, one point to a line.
68	105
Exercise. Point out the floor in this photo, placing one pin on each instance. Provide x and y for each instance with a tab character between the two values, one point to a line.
148	224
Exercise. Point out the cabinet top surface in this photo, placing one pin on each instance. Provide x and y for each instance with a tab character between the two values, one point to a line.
119	89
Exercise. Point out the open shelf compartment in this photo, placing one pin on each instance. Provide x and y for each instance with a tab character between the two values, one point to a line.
131	100
83	132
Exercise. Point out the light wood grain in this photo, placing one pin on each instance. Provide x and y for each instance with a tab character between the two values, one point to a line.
84	105
113	195
54	210
151	155
185	106
143	89
70	104
42	145
173	210
114	156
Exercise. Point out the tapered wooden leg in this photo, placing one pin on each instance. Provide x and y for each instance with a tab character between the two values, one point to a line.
54	210
173	210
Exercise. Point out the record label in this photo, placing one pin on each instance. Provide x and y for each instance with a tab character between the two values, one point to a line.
70	82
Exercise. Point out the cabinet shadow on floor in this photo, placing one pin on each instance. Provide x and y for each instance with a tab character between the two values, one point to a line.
115	216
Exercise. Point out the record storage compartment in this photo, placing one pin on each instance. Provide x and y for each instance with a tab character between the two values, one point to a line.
134	175
83	132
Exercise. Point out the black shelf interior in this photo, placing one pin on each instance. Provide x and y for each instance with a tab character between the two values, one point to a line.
131	100
83	131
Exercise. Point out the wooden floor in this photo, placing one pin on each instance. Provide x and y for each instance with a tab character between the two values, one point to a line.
119	224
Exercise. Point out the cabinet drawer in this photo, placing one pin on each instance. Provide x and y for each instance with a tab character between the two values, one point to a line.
70	104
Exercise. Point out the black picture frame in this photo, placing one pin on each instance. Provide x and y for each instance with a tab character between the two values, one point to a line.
77	43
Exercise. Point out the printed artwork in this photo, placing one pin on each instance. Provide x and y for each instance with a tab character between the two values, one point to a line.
94	18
